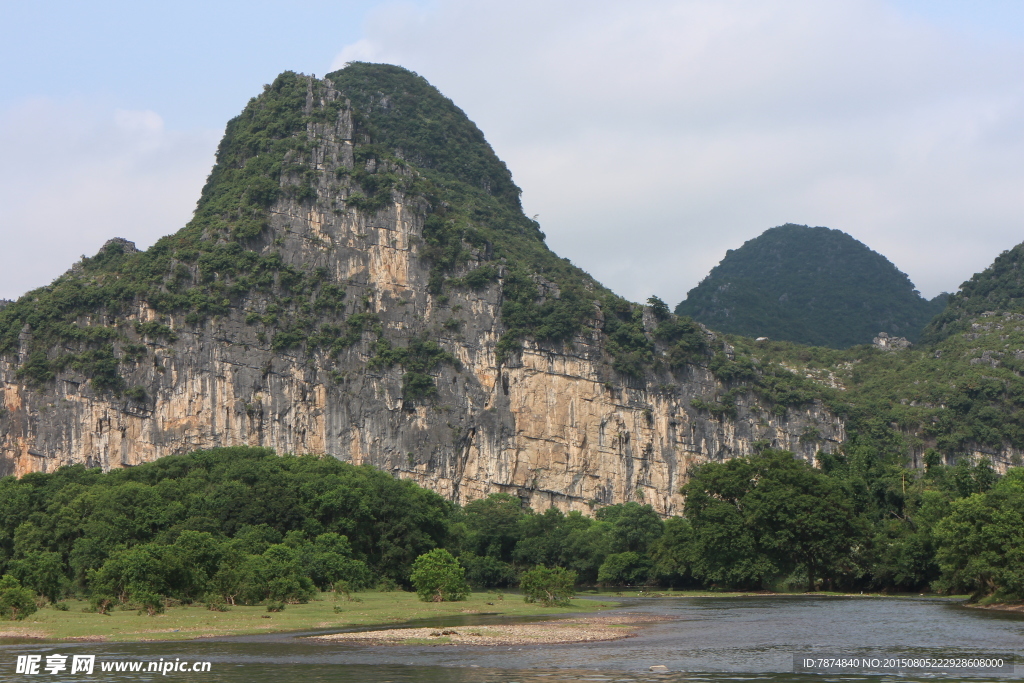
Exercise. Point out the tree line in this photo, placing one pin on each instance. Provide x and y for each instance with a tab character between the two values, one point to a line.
245	526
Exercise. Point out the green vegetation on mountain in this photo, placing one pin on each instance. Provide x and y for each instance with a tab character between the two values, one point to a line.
999	288
967	390
812	286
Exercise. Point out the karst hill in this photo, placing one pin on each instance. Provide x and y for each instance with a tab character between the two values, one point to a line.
812	286
359	281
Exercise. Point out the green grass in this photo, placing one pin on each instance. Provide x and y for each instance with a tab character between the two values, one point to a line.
183	623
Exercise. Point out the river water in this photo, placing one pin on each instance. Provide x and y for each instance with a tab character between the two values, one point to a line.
709	639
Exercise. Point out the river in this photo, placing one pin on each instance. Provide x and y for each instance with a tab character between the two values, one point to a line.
709	639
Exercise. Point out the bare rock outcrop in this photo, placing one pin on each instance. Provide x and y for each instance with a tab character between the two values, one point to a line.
886	343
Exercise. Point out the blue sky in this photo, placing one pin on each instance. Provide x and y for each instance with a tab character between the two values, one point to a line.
649	138
196	63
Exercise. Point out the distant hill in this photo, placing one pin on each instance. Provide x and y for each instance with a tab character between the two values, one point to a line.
997	289
813	286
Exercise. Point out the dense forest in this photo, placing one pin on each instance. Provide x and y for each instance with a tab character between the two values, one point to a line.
245	526
811	286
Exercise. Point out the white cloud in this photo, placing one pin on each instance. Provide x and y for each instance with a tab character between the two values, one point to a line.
77	173
359	51
652	137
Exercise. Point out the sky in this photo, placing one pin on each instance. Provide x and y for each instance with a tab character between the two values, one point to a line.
648	137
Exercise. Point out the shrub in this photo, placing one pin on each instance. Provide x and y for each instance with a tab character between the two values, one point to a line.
136	394
438	577
15	602
387	585
553	587
149	601
215	603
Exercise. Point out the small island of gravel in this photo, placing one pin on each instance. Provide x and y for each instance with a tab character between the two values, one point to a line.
576	630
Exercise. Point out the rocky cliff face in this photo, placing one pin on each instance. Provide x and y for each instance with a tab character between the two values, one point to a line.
553	422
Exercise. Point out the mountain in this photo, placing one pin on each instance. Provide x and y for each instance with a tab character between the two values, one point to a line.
812	286
359	281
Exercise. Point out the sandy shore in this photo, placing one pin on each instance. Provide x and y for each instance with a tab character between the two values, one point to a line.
579	630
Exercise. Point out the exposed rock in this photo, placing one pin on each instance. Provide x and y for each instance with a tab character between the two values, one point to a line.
119	244
5	303
886	343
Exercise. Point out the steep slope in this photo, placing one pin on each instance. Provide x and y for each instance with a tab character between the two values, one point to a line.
997	289
359	281
812	286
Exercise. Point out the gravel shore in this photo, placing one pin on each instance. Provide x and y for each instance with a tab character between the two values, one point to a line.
1000	606
579	630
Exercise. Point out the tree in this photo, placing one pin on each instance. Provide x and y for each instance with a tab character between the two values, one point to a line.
438	577
42	572
624	569
572	541
15	602
136	574
981	542
672	554
659	308
493	524
767	515
199	553
486	572
633	526
801	516
725	548
329	559
554	587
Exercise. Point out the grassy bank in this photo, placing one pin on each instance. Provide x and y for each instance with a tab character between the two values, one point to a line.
182	623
